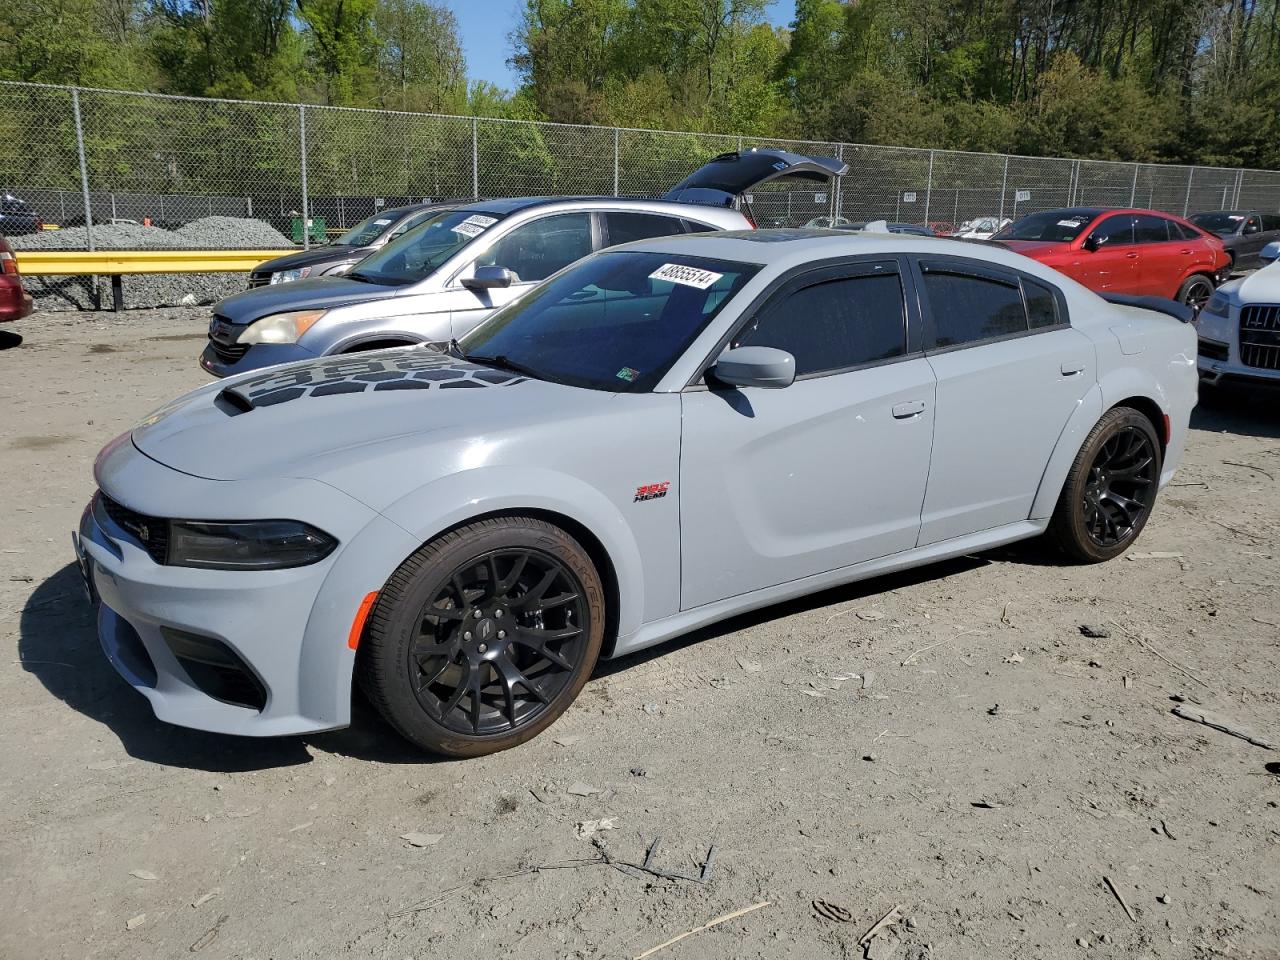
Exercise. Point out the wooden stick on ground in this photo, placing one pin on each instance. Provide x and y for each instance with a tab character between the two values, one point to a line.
1116	892
1198	715
706	926
1148	645
888	920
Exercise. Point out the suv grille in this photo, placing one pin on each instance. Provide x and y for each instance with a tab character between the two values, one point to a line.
222	337
1260	336
259	279
151	532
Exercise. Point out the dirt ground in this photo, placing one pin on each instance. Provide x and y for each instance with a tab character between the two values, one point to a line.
947	741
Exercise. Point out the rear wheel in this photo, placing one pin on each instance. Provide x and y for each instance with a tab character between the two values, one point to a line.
1110	489
484	636
1195	292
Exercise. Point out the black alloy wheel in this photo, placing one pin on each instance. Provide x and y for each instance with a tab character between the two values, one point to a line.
1195	292
1120	487
499	641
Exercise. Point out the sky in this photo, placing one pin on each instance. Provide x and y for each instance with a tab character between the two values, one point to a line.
485	26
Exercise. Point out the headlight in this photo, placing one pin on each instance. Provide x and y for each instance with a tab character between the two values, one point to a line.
280	327
250	545
1218	306
286	276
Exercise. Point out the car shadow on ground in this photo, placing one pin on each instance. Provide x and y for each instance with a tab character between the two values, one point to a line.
9	339
1232	410
58	644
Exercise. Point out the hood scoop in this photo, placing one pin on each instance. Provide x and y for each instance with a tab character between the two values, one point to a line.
400	368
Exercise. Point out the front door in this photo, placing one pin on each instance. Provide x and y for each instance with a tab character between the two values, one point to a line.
1010	373
1112	266
777	485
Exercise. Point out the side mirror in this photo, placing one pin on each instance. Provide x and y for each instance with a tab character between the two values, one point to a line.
1091	243
766	367
489	278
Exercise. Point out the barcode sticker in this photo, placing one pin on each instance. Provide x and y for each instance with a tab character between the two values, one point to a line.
686	276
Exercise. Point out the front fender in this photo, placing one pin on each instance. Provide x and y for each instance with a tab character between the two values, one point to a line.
459	497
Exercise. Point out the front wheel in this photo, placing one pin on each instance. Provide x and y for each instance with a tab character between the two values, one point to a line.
484	636
1195	292
1110	488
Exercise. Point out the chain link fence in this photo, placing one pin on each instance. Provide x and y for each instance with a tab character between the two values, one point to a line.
81	157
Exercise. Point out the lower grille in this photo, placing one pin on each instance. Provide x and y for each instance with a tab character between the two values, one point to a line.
216	669
1260	336
150	532
1212	350
259	279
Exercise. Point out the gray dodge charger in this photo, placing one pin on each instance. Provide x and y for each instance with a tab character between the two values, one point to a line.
660	436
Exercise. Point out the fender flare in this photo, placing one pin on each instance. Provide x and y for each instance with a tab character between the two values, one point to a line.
1088	411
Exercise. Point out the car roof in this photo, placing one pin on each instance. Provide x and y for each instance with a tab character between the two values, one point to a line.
508	205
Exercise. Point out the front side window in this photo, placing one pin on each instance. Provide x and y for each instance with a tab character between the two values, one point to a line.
625	227
416	254
834	324
1149	229
534	251
1252	225
1113	232
968	308
617	321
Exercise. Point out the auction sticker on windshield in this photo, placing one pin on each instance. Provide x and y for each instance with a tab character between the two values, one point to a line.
687	276
474	225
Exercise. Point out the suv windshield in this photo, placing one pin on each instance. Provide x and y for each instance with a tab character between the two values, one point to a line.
1060	226
364	233
416	253
615	321
1224	223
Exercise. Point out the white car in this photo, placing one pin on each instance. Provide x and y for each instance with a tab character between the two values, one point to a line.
981	228
1240	328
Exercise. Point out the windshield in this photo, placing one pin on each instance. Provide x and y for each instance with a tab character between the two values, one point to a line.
364	233
1060	226
1222	223
416	253
615	321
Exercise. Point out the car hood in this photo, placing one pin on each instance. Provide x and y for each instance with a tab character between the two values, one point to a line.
308	294
309	258
1261	286
324	416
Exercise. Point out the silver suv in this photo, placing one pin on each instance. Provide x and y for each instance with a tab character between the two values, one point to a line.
440	279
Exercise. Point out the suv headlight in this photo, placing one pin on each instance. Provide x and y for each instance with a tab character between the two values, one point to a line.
1218	306
287	276
248	545
280	327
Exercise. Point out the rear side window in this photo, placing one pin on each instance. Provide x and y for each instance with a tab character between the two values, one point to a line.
1148	229
1270	222
625	227
1178	231
968	308
834	324
692	226
1042	305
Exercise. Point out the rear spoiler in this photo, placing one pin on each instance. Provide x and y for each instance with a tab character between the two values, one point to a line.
1171	308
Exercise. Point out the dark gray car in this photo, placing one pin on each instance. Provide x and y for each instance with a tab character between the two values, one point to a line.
1244	233
350	248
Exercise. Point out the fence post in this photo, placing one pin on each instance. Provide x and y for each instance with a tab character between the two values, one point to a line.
84	175
475	158
615	162
306	199
1004	187
1239	185
928	189
837	197
1186	200
1133	191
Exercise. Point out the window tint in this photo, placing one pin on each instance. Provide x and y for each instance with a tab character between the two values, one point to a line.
538	249
1149	229
834	324
966	308
1114	231
1042	305
1270	222
694	227
625	227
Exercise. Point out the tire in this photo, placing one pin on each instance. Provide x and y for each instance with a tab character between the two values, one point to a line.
1195	291
1110	490
463	685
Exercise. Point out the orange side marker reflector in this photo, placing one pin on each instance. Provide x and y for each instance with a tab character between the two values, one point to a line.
1168	429
357	625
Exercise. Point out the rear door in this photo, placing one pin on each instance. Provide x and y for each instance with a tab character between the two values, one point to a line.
777	485
1113	266
1010	372
1163	256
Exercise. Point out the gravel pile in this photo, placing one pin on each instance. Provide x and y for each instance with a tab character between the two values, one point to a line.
150	290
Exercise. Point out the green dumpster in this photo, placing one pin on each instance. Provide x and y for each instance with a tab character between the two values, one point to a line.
315	227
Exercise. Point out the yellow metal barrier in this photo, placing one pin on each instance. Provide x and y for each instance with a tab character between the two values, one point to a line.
58	263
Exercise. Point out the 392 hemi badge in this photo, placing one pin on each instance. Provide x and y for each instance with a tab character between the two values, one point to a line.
651	491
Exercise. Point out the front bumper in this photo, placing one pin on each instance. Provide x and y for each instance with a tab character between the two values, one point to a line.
257	653
219	363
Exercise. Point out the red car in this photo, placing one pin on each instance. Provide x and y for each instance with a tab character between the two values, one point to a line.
1139	252
15	303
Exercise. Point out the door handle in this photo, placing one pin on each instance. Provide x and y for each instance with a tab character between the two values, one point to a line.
1186	252
1071	369
905	411
1131	256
